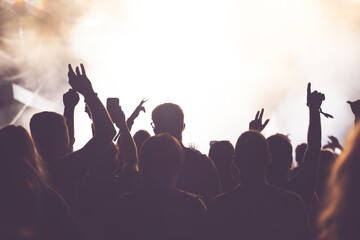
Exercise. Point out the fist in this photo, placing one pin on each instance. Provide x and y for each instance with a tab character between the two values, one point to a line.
71	98
314	99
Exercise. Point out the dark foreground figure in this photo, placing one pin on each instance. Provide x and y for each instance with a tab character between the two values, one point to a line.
255	209
158	210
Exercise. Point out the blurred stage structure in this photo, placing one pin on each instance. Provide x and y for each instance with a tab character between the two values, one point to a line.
24	91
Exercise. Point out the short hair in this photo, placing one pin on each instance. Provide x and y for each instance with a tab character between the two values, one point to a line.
281	151
168	117
160	160
50	133
251	152
140	137
221	152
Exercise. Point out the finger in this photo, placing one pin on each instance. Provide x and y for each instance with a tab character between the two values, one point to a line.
142	109
261	114
309	88
71	71
77	71
349	102
257	114
83	69
266	122
143	101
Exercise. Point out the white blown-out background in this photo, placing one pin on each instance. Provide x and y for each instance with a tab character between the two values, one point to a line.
221	61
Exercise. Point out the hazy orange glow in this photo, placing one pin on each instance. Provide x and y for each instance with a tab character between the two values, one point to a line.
220	60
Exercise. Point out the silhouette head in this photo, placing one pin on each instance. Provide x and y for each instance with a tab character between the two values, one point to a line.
140	137
50	134
160	161
221	152
281	152
252	155
300	153
20	162
168	117
338	220
327	159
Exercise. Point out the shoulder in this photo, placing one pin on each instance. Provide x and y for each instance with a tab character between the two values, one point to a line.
196	156
51	196
54	204
285	196
128	199
283	192
223	200
190	201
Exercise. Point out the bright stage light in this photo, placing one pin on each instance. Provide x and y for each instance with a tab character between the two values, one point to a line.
221	61
91	22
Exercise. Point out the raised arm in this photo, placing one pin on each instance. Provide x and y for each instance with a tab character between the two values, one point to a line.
126	143
70	99
135	114
333	144
105	130
308	173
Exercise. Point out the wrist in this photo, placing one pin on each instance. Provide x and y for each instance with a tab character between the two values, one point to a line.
314	109
69	107
121	124
90	95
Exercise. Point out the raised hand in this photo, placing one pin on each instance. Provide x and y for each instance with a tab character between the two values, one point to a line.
135	114
117	115
355	108
71	98
256	124
140	107
314	99
333	143
79	81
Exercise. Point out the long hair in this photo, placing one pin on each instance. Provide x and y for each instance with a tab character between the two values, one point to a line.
21	165
341	216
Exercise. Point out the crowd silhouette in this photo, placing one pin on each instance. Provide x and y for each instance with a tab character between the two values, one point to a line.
138	186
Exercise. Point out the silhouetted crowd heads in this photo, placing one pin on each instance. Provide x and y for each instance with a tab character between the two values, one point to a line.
124	186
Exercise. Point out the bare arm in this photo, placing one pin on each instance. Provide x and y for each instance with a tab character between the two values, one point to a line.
308	173
125	142
105	130
135	114
70	99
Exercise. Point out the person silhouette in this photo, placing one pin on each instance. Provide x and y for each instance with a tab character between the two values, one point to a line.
158	210
50	133
140	137
199	174
256	210
30	209
299	158
304	182
221	153
339	219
